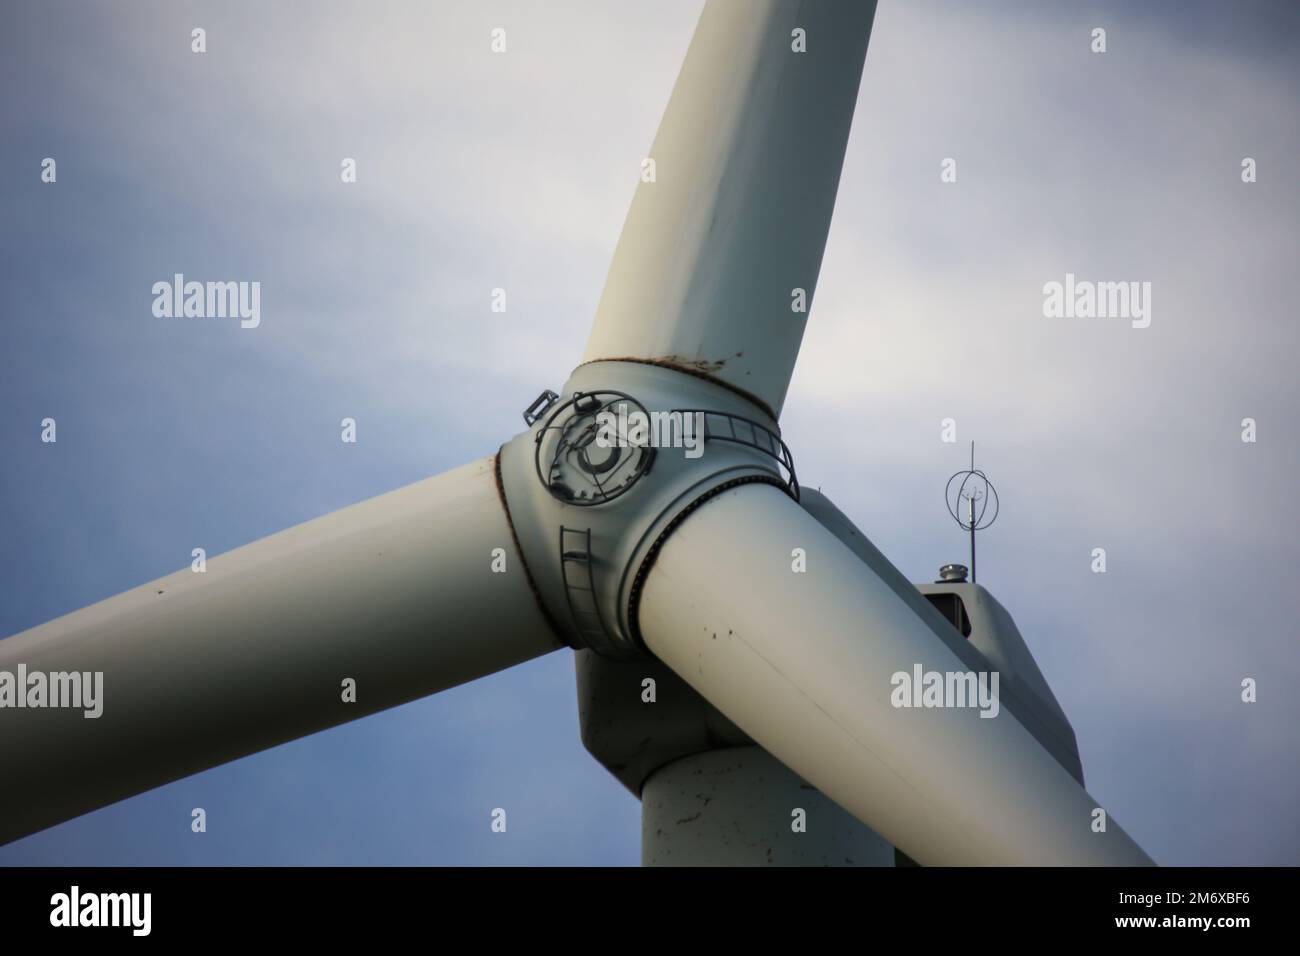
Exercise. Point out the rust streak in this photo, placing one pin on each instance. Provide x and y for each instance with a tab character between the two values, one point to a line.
700	368
519	553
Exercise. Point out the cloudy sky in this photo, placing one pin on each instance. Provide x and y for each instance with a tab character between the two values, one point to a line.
478	171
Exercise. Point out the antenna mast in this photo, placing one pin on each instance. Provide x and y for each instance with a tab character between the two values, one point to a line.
975	489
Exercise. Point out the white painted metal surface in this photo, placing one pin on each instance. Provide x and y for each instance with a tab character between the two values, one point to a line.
747	165
803	663
742	807
396	593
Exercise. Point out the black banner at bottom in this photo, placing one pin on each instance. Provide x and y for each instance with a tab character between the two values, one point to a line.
335	906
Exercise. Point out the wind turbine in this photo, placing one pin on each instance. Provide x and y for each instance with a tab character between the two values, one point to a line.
713	672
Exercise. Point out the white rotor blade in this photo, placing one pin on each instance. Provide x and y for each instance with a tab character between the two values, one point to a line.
397	593
746	166
803	663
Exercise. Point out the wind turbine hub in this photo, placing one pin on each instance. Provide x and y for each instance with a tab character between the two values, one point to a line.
611	477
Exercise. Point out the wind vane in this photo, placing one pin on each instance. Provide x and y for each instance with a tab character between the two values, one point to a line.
977	492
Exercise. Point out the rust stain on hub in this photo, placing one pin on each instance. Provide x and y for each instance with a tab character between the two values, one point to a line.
700	368
519	553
